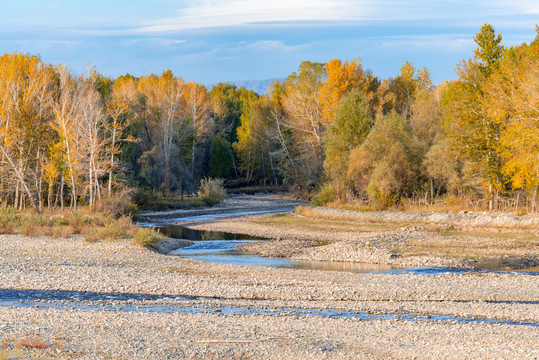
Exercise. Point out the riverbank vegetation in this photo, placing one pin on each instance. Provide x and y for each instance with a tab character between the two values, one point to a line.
94	226
333	132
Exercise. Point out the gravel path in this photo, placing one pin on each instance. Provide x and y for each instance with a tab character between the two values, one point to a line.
120	267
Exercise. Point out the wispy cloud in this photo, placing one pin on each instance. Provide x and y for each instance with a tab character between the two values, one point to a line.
444	43
233	13
152	41
53	6
274	45
224	13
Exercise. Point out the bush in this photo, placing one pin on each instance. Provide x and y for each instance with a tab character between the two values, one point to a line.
147	237
114	230
141	197
327	194
8	220
78	222
118	205
211	191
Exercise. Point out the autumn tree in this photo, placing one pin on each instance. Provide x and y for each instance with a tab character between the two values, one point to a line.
512	100
65	122
92	141
347	132
384	167
119	108
257	148
26	89
227	102
341	79
302	106
407	85
166	122
475	134
198	110
247	144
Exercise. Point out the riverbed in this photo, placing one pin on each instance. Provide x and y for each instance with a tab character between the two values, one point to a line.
117	300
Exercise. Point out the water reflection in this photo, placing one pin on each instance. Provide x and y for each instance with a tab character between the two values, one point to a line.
222	247
182	232
345	266
226	252
47	299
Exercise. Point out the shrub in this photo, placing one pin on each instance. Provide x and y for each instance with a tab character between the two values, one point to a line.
8	220
78	222
327	194
114	230
147	237
141	197
61	231
211	191
31	229
118	205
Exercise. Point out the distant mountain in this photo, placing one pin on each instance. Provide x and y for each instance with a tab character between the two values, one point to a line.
258	86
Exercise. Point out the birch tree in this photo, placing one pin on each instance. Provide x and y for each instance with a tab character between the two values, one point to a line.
65	124
166	118
118	107
304	120
25	93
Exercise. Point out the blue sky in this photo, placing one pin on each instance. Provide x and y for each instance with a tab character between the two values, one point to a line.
223	40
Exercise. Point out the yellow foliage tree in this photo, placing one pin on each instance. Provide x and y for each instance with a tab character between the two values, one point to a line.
26	87
341	78
512	98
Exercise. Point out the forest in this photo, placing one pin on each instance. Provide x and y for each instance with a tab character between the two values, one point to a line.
331	132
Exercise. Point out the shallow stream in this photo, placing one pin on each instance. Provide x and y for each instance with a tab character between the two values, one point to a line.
187	305
222	247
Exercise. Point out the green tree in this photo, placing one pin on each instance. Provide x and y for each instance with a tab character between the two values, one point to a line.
476	135
347	132
489	49
220	158
385	166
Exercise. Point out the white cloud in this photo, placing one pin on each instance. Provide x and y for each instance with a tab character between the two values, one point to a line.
274	45
223	13
199	14
443	43
152	41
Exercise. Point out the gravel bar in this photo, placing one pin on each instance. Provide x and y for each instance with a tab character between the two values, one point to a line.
75	332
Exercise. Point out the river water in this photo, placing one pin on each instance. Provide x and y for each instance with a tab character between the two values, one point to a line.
223	248
197	305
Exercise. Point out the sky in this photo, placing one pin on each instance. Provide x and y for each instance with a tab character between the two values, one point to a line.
225	40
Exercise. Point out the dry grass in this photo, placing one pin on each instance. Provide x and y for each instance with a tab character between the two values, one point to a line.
448	204
328	224
147	237
473	244
94	226
31	342
122	228
28	341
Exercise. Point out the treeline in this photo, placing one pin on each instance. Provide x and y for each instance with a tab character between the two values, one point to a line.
332	130
338	129
69	140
